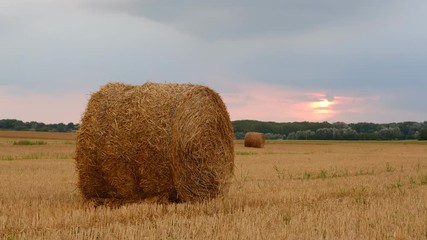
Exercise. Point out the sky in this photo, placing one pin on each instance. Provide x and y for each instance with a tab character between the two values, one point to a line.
272	60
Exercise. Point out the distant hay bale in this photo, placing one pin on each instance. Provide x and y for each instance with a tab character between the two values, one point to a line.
161	141
254	139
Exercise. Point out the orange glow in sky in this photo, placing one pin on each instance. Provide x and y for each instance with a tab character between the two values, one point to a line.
324	103
323	107
267	103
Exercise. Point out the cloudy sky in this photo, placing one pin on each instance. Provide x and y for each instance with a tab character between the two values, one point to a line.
284	60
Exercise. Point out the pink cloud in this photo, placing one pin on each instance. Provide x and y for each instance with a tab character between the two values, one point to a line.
281	104
257	101
268	103
43	107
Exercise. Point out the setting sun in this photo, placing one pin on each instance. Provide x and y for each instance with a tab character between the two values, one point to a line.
324	103
321	104
322	108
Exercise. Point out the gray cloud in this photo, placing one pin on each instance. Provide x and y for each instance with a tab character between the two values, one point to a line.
240	19
357	48
353	44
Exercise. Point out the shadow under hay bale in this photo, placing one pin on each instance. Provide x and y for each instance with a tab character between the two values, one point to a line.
254	139
154	141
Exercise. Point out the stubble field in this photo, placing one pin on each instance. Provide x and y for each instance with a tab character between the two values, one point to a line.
287	190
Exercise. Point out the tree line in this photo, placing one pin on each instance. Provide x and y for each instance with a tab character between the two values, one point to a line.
333	131
274	130
18	125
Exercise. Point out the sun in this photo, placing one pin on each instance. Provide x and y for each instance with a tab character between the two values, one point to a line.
322	108
324	103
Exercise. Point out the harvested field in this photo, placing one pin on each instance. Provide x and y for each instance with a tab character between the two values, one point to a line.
287	190
38	135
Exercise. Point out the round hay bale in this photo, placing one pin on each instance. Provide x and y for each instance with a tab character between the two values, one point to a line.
254	139
162	141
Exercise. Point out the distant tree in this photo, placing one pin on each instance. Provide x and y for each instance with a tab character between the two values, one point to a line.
291	136
390	133
70	127
364	127
409	129
349	134
239	135
13	124
422	134
339	125
325	134
304	135
331	131
274	136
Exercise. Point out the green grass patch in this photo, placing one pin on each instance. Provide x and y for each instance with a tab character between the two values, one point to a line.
281	173
389	168
424	180
246	153
7	157
398	185
28	142
37	155
332	173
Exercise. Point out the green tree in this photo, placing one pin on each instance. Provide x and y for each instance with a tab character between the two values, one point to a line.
422	134
325	134
389	133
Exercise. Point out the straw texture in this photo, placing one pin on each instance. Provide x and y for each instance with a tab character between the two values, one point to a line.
172	142
254	139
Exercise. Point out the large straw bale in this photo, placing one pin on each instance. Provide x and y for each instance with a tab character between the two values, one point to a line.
164	141
254	139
